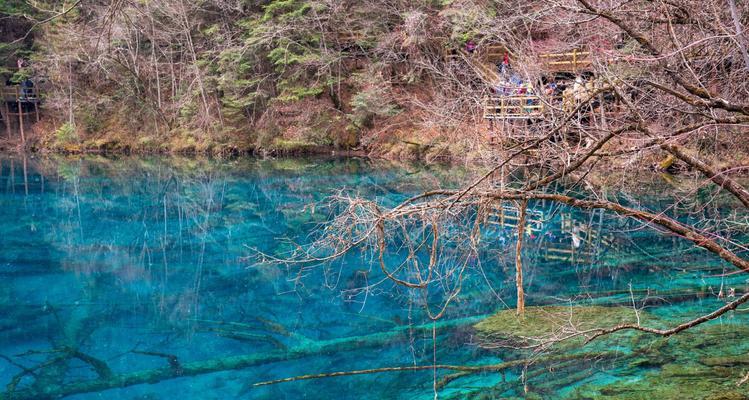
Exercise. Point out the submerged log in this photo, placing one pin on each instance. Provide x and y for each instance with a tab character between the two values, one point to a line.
230	363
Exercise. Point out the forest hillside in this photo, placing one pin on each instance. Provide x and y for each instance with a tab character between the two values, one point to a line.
403	79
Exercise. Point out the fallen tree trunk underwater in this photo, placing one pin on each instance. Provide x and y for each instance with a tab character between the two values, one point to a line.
194	368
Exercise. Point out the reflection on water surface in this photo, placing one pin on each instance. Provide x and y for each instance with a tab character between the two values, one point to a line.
131	278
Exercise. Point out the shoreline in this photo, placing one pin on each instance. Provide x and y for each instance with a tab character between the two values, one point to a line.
16	147
410	151
293	149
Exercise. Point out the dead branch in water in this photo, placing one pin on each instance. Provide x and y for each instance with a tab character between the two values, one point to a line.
462	368
195	368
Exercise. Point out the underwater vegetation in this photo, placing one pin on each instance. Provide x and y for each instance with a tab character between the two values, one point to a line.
134	278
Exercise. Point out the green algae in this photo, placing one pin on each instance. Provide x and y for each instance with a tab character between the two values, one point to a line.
542	321
672	381
684	366
706	362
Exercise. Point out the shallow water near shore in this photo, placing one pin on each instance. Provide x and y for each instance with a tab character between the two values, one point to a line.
139	274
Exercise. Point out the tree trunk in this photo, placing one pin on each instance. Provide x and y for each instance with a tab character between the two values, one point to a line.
518	257
739	32
718	177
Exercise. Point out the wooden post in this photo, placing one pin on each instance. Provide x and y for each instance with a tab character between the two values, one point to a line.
36	104
20	116
6	117
574	60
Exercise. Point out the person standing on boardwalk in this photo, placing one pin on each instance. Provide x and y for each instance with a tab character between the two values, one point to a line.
470	46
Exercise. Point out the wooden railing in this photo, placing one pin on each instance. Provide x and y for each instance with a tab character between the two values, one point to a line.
574	61
18	101
487	72
17	93
487	56
494	53
513	107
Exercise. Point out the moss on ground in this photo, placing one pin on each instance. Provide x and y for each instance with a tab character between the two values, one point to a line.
291	146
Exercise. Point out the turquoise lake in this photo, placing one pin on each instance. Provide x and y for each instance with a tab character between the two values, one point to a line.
137	278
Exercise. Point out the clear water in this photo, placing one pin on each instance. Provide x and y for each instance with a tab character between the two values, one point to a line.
144	264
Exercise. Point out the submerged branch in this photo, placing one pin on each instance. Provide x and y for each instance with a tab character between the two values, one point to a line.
681	327
231	363
462	368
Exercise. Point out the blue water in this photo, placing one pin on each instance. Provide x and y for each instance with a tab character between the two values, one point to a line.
151	263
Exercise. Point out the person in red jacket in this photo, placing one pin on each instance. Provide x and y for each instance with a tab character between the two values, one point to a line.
505	65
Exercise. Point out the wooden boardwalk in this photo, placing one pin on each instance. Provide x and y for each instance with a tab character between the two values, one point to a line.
513	107
575	61
19	104
520	106
506	104
487	71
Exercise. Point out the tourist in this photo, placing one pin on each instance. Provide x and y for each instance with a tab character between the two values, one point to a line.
470	46
501	88
551	88
530	100
504	66
578	89
27	88
568	101
515	84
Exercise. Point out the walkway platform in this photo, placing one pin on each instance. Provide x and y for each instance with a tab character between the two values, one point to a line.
513	107
18	105
575	61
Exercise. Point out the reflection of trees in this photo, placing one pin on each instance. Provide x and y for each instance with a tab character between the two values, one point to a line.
165	222
163	243
440	231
